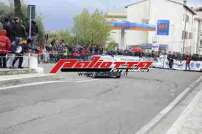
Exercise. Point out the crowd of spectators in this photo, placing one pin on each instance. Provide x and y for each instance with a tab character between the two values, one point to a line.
58	49
15	40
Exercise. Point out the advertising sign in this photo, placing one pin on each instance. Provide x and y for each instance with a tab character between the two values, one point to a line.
162	62
163	27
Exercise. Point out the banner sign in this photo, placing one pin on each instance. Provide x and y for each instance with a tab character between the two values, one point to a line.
163	27
162	62
196	65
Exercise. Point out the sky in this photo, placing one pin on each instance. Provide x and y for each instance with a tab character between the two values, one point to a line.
59	14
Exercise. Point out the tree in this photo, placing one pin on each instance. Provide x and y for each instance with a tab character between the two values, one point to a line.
112	46
91	29
63	35
100	29
39	22
5	10
18	8
81	27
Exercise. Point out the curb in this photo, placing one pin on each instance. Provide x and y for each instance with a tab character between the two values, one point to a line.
24	76
176	126
16	71
151	124
177	69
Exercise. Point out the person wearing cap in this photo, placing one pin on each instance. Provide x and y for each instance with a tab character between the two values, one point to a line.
5	45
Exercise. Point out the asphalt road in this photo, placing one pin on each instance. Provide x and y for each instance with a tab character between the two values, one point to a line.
80	105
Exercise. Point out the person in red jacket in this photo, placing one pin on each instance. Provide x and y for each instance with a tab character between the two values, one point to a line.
5	45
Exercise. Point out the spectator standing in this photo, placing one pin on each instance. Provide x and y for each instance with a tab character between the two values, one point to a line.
18	29
19	50
84	53
188	61
5	45
50	50
8	27
170	62
46	55
61	49
30	47
66	53
40	54
34	33
76	54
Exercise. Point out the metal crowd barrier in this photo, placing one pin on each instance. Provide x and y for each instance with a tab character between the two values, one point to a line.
29	60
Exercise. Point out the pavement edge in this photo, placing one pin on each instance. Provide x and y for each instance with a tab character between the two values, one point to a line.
146	128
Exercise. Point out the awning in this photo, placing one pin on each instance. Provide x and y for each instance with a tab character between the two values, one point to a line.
133	26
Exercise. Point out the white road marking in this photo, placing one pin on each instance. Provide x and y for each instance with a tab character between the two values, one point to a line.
23	76
82	81
45	82
176	127
166	110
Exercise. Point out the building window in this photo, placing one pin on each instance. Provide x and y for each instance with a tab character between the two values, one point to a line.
190	35
183	35
186	35
186	18
201	43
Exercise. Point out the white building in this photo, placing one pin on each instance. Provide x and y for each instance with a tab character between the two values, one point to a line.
177	25
198	22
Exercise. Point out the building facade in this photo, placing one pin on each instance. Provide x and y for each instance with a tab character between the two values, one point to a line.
176	25
198	25
115	35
